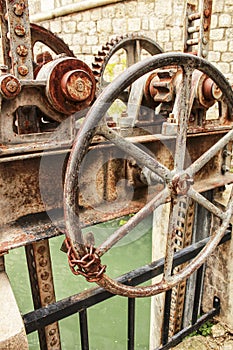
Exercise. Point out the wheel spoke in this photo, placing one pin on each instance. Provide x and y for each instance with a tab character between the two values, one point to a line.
137	153
160	198
205	157
197	197
135	100
182	110
133	53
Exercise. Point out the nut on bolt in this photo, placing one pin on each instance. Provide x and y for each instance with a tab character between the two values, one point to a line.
20	30
9	86
76	85
23	70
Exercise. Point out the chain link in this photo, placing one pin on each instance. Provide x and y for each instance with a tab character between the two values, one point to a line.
88	266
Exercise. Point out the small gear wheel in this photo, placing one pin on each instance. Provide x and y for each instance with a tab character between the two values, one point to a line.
135	47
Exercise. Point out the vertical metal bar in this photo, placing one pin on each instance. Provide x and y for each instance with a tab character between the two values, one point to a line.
35	291
20	45
197	295
166	317
41	277
84	329
131	323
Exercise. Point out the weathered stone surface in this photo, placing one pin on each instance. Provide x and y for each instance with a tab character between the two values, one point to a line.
193	343
159	20
218	331
12	332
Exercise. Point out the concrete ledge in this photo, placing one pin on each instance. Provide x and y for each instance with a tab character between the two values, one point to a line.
12	332
71	8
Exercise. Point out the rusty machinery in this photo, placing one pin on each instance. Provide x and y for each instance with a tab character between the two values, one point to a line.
170	143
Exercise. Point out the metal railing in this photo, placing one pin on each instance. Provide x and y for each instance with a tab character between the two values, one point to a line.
80	303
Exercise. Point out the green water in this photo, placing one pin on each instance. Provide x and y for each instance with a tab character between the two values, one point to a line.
107	321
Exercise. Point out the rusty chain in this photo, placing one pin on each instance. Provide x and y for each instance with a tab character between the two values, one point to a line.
88	266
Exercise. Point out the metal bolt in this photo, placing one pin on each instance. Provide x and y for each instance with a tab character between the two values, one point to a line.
23	70
20	30
12	86
43	262
207	13
79	85
52	331
44	276
22	50
46	288
19	8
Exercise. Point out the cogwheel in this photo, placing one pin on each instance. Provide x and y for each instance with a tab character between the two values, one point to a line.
133	44
51	41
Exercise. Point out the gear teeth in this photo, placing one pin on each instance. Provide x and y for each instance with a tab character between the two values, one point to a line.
96	65
101	53
99	59
105	48
96	74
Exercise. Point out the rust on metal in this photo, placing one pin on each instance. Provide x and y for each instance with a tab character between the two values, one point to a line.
10	86
88	266
70	84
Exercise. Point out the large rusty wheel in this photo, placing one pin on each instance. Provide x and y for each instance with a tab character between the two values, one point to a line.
178	182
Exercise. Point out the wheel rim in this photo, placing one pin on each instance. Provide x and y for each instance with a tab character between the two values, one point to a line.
174	180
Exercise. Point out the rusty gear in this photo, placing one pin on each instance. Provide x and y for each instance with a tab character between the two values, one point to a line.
126	42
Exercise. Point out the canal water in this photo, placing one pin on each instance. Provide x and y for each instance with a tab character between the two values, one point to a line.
107	321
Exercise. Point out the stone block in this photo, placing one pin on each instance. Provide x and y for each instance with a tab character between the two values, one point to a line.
213	56
220	46
225	20
108	11
224	67
120	10
56	26
69	27
119	26
214	21
227	57
163	36
134	24
105	25
217	34
12	332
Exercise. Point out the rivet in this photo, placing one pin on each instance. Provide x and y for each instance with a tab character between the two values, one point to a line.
41	249
19	8
23	70
42	262
52	331
22	50
44	275
20	30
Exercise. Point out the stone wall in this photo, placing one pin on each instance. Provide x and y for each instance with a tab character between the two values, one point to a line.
86	31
